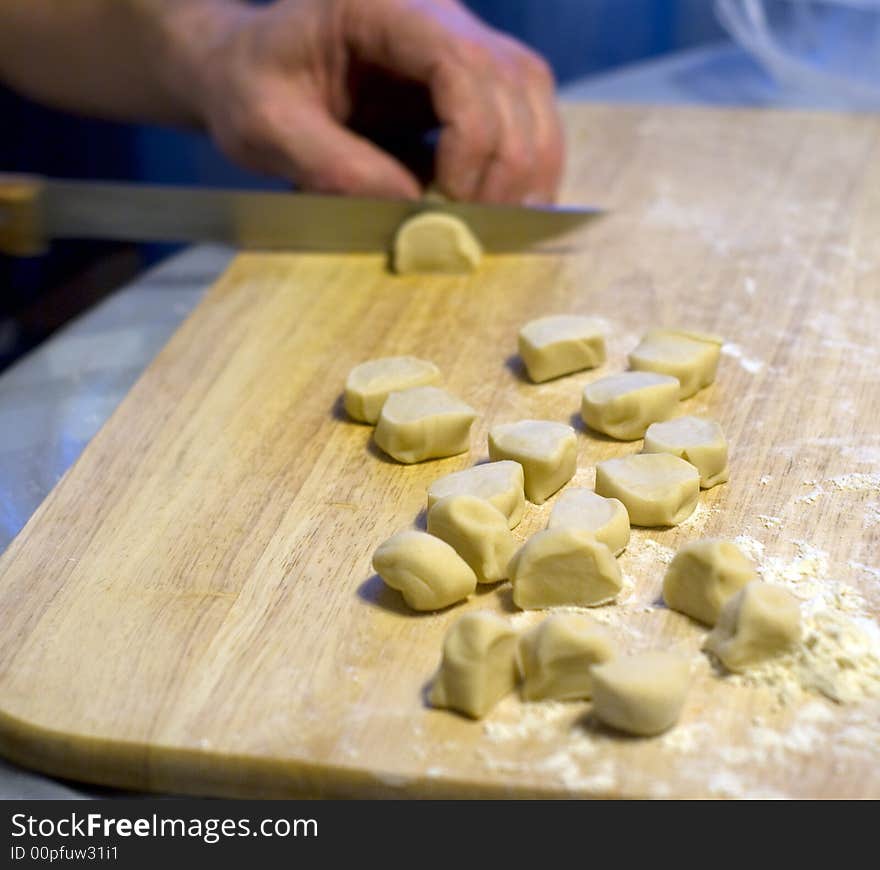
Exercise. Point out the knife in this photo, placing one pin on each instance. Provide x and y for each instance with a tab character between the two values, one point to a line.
34	210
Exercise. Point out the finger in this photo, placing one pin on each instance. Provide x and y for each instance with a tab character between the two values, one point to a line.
446	48
319	154
510	175
546	126
470	131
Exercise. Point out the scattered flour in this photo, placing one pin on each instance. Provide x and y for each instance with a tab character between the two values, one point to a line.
752	366
858	482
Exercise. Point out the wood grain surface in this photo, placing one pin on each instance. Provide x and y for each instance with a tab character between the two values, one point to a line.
193	610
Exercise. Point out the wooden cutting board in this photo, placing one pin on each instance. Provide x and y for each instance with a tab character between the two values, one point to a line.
192	609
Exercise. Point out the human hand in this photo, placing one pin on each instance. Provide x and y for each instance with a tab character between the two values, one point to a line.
280	87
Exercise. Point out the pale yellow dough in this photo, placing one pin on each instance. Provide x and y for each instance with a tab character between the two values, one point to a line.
691	357
547	451
425	570
759	622
478	667
369	383
698	441
641	694
624	405
564	567
423	423
477	531
703	576
555	657
606	518
499	483
436	242
656	488
561	344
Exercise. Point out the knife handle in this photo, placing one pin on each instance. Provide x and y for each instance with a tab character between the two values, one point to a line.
21	215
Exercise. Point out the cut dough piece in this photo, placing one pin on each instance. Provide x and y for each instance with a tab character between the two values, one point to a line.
656	488
424	423
435	242
547	452
563	567
760	622
641	694
703	576
477	531
425	570
555	657
624	405
478	667
561	344
681	354
698	441
606	518
369	384
500	483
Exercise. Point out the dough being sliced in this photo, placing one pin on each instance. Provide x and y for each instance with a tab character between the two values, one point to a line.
703	576
425	570
641	694
423	423
478	667
547	451
555	657
369	383
500	483
606	518
561	344
760	622
624	405
698	441
563	567
477	531
656	488
680	354
436	242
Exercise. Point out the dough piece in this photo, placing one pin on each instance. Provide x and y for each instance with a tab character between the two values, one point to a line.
624	405
656	488
477	531
606	518
563	567
435	242
760	622
641	694
703	576
478	667
369	384
424	423
681	354
700	442
547	452
555	657
561	344
427	571
500	483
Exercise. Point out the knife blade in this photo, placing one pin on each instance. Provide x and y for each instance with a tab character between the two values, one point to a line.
36	209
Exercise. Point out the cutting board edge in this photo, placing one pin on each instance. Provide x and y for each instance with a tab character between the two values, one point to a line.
176	770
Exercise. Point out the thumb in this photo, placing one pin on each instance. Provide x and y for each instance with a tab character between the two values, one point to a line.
321	155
